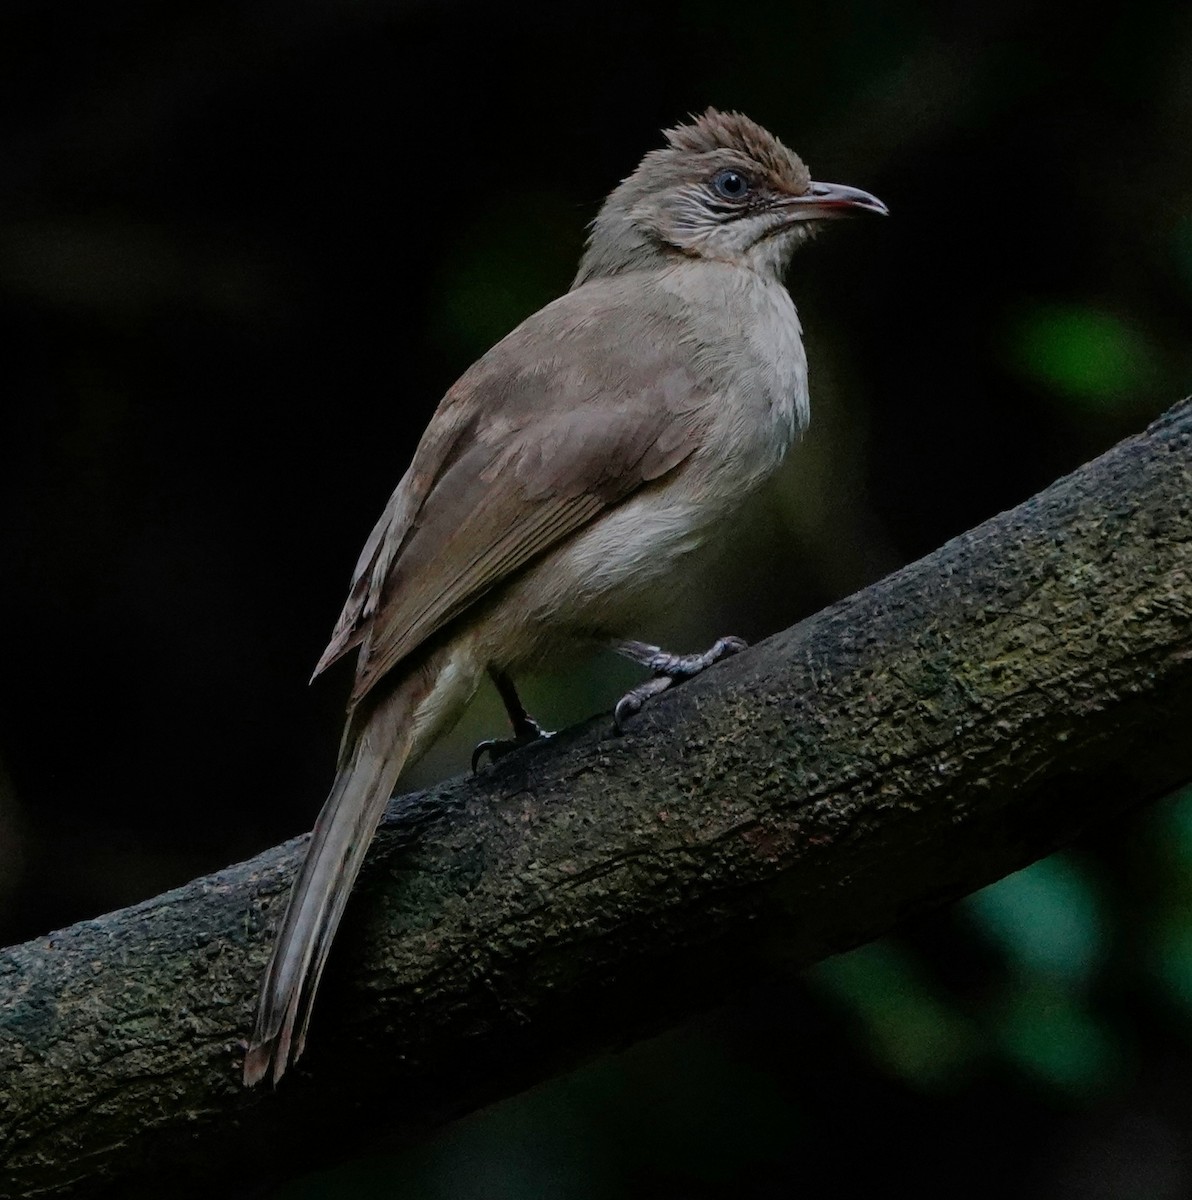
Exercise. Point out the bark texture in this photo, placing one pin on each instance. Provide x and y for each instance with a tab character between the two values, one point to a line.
908	745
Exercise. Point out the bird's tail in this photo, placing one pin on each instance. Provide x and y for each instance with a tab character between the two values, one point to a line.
371	762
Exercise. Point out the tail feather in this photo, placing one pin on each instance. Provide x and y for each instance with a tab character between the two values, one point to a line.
342	834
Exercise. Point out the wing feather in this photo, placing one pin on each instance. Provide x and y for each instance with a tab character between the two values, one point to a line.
523	452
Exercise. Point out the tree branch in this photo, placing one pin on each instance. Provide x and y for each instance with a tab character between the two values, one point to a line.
910	744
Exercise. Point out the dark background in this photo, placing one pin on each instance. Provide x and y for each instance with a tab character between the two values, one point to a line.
244	248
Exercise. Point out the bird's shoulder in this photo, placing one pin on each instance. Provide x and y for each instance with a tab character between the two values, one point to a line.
628	337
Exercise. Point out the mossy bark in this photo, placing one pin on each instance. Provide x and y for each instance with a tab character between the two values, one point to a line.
906	746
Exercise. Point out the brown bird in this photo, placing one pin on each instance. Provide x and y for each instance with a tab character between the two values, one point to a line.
559	487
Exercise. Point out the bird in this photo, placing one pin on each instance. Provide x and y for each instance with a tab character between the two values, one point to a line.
560	488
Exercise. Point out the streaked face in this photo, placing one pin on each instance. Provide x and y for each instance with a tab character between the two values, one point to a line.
725	206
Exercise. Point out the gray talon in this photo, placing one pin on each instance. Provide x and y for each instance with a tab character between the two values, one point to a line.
669	669
497	748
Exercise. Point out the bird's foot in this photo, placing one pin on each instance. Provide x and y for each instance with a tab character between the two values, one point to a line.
527	733
669	670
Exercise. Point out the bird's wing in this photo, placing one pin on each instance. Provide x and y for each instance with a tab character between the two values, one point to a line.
390	532
524	450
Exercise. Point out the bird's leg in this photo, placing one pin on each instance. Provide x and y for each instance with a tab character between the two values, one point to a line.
668	670
525	728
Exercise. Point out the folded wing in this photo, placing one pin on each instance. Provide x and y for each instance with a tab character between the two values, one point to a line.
574	412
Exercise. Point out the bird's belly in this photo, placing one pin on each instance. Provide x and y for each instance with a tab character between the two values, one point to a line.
604	581
633	548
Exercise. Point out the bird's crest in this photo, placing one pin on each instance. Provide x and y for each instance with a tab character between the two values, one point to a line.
715	130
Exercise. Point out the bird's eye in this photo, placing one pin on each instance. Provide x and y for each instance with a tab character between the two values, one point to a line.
732	185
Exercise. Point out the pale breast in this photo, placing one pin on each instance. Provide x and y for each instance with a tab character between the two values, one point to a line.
777	338
751	339
746	338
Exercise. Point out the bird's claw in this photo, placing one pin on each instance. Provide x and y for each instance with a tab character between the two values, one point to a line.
631	703
497	748
671	669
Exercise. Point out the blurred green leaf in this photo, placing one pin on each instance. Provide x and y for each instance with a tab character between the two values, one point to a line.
1175	816
909	1029
1084	354
1169	957
1047	1031
1046	919
1167	935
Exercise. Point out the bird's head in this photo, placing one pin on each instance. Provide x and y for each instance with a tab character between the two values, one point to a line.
723	188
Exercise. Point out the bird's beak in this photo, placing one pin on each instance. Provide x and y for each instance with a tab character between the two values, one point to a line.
822	201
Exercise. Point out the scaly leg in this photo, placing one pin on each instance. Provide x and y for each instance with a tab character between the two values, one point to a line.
669	669
525	728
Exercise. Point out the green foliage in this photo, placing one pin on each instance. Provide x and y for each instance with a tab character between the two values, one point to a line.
1048	927
1167	939
1046	920
908	1024
1045	1007
1044	1027
1085	355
